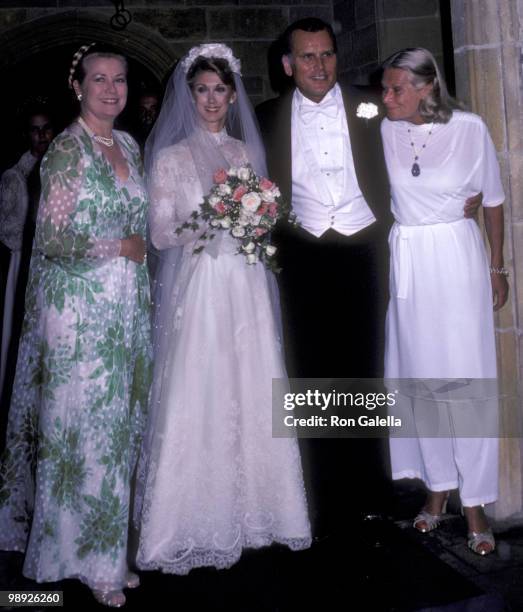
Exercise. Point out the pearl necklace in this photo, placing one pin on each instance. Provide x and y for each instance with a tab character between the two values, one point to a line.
416	170
108	142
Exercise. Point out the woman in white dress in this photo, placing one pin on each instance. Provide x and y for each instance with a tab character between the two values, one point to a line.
439	320
212	480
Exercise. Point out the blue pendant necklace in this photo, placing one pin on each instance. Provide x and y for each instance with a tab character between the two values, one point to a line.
416	170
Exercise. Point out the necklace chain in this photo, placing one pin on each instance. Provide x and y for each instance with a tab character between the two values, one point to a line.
108	142
416	170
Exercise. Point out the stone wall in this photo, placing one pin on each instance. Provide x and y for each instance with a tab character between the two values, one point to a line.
249	26
488	35
370	30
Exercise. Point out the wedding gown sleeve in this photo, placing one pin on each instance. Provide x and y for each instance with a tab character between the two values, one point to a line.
172	175
58	234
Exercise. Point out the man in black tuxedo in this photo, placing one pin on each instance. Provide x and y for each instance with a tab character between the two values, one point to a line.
328	161
325	153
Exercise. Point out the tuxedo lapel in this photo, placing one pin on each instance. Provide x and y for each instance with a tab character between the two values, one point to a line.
282	145
367	153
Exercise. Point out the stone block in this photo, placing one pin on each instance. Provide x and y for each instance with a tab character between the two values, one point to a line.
486	84
513	96
482	23
253	85
345	51
86	4
510	21
359	76
516	280
344	16
507	350
514	171
253	55
174	24
214	3
458	23
267	3
18	4
398	9
322	12
420	32
364	12
365	46
462	76
245	23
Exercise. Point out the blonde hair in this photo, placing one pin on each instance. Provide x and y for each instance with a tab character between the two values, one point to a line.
438	105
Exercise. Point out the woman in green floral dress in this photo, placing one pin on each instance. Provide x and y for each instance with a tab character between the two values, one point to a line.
82	379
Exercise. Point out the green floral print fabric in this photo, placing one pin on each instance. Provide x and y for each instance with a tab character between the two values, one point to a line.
83	372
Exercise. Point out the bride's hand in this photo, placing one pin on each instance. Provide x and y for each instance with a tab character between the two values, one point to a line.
133	248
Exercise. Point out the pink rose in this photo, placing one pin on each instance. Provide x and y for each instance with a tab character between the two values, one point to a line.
259	231
273	210
220	208
266	184
239	192
220	176
263	209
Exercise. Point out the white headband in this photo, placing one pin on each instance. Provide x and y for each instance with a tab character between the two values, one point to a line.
212	50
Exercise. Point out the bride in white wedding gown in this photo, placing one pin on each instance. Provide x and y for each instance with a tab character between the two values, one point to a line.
211	480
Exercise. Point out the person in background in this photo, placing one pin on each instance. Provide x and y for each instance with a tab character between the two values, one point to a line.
19	194
147	110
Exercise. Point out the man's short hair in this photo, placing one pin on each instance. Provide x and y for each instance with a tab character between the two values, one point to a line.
309	24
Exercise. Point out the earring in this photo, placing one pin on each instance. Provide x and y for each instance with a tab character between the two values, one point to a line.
79	97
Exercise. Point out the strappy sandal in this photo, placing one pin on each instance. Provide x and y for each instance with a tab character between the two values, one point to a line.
476	540
132	580
112	598
431	520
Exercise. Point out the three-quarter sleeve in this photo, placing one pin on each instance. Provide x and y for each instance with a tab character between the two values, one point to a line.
13	209
166	189
57	233
492	187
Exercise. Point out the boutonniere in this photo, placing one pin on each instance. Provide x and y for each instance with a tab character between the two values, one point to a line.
366	110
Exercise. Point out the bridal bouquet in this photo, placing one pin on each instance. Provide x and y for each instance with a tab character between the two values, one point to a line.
247	207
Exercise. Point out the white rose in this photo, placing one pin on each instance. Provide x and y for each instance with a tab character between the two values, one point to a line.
251	201
232	171
244	174
213	200
268	195
276	192
225	222
215	223
270	250
224	189
238	231
366	110
252	258
249	247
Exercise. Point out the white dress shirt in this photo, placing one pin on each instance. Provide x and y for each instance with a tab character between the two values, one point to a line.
325	190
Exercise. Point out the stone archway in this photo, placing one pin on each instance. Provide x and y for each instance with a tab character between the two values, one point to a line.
35	59
79	27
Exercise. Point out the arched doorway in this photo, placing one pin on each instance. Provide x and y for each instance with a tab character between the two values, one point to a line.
35	59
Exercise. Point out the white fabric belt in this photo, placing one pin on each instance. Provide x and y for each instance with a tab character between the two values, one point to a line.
402	260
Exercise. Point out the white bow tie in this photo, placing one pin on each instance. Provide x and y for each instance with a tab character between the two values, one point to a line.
328	108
